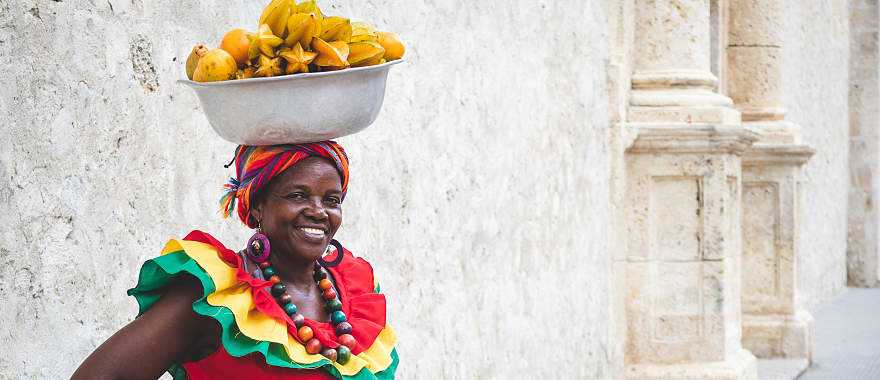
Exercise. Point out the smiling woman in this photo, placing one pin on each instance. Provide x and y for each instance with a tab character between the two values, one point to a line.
277	309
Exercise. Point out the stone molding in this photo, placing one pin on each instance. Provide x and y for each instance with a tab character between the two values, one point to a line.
691	139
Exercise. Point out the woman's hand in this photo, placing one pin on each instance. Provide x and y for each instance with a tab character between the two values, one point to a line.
147	346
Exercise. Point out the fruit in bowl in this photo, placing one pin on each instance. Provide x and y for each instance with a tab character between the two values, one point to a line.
293	38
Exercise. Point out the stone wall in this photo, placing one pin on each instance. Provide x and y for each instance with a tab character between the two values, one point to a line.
815	59
863	246
480	194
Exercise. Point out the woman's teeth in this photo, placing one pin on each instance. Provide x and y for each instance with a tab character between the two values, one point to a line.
312	231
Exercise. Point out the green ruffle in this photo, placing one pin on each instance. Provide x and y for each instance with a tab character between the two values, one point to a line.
157	273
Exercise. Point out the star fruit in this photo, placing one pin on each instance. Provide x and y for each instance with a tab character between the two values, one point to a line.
302	27
330	54
298	60
263	42
269	67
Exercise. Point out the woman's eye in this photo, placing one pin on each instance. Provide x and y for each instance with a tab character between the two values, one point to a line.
296	196
333	201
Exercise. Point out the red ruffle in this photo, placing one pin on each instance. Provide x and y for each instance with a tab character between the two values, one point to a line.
364	309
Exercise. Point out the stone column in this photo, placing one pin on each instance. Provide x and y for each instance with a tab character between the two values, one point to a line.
682	201
773	324
863	243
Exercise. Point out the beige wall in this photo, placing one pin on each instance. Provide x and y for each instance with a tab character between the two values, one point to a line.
815	58
480	194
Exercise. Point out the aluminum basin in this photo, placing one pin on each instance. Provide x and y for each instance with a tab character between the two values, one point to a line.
294	109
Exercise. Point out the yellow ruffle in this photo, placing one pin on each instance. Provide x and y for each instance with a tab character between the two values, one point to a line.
236	296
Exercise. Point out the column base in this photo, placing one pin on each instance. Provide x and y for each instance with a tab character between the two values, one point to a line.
779	336
742	366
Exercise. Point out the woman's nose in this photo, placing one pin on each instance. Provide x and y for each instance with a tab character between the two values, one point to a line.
315	209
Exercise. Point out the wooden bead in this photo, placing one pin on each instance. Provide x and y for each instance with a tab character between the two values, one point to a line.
320	275
329	353
278	290
305	333
325	284
333	305
285	298
275	279
329	294
337	317
343	328
298	320
343	354
289	308
313	346
347	340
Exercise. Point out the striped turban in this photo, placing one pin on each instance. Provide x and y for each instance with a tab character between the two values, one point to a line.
255	166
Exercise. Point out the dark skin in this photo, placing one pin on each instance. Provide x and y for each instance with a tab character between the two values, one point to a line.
300	211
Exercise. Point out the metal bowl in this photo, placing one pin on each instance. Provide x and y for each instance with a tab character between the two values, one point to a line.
294	109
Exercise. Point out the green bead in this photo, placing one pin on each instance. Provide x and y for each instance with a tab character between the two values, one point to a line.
334	305
268	272
278	290
290	309
337	317
343	354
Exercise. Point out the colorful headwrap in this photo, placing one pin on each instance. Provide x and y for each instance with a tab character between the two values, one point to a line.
255	166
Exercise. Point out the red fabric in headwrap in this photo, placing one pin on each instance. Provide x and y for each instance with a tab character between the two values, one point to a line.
255	166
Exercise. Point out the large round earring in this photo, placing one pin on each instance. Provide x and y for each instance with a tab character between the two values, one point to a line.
336	260
258	247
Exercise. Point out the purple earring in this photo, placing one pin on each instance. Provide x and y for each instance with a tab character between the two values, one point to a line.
258	247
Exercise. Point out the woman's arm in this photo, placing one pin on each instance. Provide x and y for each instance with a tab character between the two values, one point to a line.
147	346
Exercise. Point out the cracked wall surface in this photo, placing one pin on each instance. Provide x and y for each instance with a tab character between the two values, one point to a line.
480	194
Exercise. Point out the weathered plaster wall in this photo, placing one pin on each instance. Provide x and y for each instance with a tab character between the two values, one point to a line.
480	194
815	59
863	246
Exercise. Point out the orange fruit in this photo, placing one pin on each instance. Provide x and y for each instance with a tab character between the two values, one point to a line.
236	43
393	47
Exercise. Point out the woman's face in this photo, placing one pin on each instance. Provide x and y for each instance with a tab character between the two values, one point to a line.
301	209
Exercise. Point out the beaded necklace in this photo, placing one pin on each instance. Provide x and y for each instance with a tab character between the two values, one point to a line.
258	249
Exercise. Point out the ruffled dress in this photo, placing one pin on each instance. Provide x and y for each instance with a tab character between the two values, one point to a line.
258	340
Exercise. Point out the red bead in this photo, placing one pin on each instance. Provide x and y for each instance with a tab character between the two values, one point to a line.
329	353
347	340
275	279
325	284
313	346
285	298
265	264
298	320
329	294
305	333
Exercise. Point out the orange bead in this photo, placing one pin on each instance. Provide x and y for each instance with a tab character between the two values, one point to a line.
313	346
275	279
325	284
347	340
305	333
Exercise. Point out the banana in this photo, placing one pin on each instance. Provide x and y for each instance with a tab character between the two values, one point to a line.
336	29
263	42
364	53
275	15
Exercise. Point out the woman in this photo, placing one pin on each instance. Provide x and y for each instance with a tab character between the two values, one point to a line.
283	308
